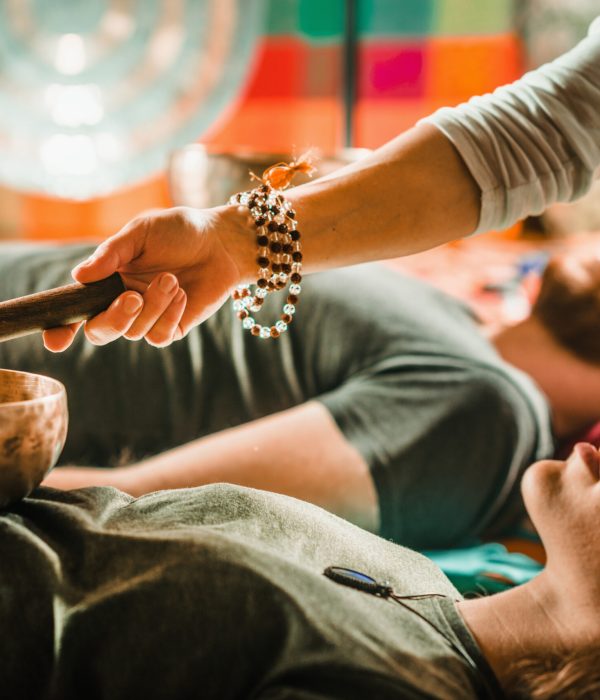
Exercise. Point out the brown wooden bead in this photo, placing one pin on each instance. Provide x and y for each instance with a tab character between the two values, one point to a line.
258	301
287	248
252	202
260	221
286	267
271	285
262	241
262	283
291	213
242	314
255	330
296	256
274	210
262	262
245	292
280	284
296	277
282	228
238	197
265	188
236	294
286	318
272	226
275	247
292	299
274	332
276	267
295	235
264	208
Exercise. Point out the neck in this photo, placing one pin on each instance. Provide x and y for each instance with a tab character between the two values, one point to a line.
571	385
535	620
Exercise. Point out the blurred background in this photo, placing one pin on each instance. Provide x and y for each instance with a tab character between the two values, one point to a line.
97	95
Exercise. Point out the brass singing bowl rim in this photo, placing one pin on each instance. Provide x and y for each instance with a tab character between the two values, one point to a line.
39	381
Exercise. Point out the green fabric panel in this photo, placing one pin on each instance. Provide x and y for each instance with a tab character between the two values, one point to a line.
468	17
390	17
322	20
281	17
315	20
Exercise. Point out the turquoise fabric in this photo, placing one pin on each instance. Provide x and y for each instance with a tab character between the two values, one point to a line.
485	568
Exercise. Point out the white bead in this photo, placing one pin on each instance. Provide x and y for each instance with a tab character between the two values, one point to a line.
289	309
295	289
247	301
261	293
238	305
244	199
255	308
283	276
281	326
248	322
265	332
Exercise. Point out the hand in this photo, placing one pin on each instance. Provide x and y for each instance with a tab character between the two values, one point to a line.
178	265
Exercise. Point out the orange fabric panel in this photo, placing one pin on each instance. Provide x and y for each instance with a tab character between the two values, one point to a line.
61	219
460	67
377	121
278	125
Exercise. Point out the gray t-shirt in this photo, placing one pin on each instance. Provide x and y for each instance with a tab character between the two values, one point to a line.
218	592
446	426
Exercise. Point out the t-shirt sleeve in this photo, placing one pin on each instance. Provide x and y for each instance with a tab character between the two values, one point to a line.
446	442
535	141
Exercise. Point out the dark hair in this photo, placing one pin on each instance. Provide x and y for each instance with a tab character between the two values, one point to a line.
568	305
572	677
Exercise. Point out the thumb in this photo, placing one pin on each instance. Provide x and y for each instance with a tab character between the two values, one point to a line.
109	256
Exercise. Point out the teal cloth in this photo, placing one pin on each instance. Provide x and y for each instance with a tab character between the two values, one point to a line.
475	569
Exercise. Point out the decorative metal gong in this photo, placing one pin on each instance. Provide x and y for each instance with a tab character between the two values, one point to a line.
94	94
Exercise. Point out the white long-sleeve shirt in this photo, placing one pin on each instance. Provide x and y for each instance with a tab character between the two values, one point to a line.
535	141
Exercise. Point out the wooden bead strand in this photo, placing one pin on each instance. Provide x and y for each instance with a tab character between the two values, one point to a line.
279	250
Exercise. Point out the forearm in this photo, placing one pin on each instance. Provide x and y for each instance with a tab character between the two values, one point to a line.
299	452
411	194
482	165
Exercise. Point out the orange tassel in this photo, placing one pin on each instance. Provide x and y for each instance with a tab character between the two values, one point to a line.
280	175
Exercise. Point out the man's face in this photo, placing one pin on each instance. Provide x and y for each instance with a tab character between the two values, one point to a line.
563	501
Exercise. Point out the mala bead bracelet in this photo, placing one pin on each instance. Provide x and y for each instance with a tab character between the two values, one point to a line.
279	255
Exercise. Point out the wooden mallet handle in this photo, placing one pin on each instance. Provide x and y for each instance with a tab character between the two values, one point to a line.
57	307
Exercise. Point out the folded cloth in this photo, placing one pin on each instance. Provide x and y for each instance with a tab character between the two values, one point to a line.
485	568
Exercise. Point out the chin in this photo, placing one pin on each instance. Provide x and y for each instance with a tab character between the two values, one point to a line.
538	485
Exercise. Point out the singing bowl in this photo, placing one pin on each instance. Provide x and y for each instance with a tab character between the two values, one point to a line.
202	178
33	430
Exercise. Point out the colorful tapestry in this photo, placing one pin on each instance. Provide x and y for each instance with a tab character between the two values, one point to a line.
94	96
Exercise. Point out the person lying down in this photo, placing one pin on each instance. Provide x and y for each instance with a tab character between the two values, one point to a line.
228	592
384	404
